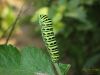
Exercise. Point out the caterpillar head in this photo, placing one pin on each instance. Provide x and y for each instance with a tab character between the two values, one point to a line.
41	20
44	20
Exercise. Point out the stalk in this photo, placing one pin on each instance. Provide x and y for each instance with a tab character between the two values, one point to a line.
57	68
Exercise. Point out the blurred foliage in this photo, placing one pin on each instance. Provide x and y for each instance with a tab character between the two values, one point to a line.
76	25
6	18
26	61
77	28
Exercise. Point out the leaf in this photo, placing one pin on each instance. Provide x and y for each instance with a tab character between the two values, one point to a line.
9	59
33	60
9	56
64	68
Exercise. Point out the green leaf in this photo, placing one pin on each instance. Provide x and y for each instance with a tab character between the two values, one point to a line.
9	60
64	68
33	60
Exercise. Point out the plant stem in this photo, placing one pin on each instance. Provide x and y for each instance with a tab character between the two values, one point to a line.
13	25
57	68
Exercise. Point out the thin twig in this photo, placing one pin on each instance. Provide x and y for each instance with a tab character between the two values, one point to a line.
13	25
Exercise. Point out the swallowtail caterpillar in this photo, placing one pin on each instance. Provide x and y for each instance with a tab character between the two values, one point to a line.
49	37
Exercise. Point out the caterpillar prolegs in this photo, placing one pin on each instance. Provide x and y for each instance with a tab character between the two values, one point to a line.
49	37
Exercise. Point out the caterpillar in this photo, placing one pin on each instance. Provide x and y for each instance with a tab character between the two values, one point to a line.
49	37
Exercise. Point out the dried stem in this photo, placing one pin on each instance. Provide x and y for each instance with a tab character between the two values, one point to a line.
13	25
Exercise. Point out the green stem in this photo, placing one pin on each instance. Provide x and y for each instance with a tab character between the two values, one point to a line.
57	68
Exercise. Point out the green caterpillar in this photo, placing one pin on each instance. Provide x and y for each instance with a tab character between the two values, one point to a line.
49	37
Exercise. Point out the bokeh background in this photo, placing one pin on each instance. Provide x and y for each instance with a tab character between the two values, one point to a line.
76	25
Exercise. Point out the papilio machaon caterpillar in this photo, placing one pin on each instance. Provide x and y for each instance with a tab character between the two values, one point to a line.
49	37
